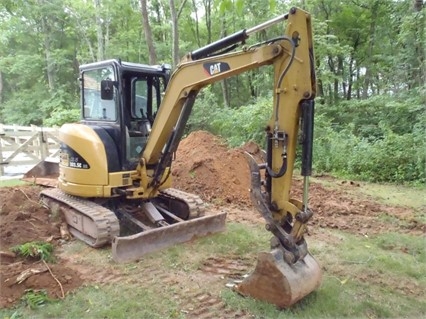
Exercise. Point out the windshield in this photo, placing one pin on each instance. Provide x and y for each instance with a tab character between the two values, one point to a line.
139	107
95	108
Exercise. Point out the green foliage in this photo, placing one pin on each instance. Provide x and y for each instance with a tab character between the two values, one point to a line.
12	182
236	126
373	118
35	298
380	139
35	249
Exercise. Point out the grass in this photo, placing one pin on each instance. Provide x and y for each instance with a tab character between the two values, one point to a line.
35	299
334	300
397	195
37	250
110	301
389	194
12	182
377	276
363	277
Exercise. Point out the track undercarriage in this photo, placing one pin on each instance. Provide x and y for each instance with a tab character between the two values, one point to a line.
133	227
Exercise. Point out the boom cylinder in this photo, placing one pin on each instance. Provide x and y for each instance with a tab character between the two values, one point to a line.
203	52
235	38
308	136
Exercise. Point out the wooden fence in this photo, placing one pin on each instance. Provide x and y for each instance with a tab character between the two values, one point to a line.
26	145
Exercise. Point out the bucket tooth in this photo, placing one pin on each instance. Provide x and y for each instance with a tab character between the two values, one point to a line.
279	283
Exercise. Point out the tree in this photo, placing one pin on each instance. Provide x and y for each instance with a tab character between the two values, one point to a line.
148	33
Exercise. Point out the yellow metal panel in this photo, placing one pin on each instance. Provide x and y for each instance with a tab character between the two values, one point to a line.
118	179
81	190
84	140
296	86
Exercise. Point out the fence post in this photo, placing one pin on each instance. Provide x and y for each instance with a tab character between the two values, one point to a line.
1	153
36	142
16	129
44	147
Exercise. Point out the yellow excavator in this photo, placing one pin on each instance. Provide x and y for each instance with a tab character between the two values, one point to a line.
115	182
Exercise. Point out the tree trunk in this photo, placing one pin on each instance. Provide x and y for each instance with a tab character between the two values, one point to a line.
197	28
1	87
358	92
152	56
175	34
47	49
224	83
250	77
340	72
419	75
47	56
369	59
333	92
350	78
208	11
99	32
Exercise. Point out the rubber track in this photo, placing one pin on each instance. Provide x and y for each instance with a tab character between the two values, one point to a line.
196	206
105	220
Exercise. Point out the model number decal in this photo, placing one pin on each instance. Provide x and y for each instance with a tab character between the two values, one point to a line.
213	68
70	158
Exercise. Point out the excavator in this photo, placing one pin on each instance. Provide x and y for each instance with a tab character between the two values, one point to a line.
114	182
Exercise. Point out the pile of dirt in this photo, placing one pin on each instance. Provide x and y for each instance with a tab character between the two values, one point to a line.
24	220
337	207
205	166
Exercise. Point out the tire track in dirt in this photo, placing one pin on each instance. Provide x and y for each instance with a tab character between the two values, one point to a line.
197	293
214	273
204	305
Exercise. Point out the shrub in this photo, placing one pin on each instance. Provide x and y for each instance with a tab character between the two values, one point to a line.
380	139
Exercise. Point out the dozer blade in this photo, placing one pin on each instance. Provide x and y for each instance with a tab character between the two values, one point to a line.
130	248
44	173
279	283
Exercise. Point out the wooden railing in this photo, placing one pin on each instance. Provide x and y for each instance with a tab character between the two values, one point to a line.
26	145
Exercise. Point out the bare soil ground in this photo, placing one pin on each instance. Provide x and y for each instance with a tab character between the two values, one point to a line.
205	166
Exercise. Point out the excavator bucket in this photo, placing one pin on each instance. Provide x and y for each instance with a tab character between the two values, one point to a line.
279	283
133	247
44	173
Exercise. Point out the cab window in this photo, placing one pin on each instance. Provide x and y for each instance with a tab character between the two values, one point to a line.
94	107
140	102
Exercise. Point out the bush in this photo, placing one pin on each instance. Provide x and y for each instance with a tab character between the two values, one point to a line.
393	158
380	139
236	126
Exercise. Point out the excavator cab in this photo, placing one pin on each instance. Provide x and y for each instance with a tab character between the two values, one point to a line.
122	99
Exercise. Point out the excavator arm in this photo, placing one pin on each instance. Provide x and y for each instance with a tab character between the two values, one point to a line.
288	272
292	57
294	89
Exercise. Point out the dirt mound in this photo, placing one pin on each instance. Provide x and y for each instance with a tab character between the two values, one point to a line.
205	166
24	220
339	208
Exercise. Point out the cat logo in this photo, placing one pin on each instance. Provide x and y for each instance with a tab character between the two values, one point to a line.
213	68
